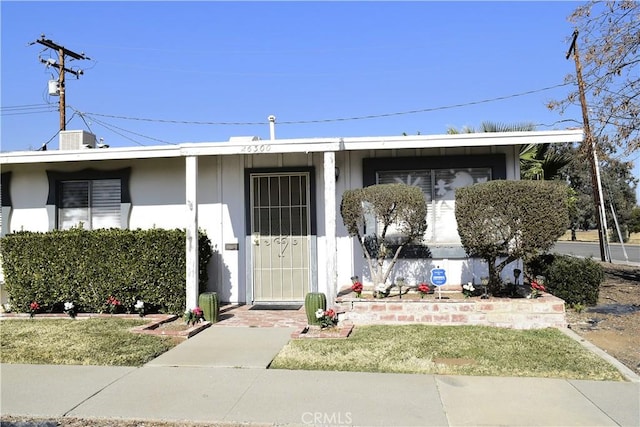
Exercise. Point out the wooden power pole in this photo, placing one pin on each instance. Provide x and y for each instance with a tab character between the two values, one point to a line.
591	153
62	69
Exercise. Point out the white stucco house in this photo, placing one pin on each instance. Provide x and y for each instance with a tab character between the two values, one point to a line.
270	207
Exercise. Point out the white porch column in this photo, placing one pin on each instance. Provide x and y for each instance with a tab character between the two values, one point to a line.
330	224
191	178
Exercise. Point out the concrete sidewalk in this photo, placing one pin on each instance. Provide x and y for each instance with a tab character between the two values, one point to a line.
227	347
230	385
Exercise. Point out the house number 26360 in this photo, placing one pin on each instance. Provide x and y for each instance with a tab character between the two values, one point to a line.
263	148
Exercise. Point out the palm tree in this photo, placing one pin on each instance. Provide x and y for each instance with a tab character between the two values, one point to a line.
495	127
540	161
537	161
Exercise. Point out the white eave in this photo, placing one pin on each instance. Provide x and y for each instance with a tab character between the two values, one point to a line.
464	140
301	145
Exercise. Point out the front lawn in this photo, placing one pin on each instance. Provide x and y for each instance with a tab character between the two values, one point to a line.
451	350
78	342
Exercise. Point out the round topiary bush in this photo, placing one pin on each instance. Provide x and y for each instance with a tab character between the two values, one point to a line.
575	280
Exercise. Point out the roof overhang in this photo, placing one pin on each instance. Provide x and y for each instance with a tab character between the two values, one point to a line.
464	140
300	145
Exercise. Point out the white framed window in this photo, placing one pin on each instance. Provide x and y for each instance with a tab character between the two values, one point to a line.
94	197
438	187
5	206
92	203
437	177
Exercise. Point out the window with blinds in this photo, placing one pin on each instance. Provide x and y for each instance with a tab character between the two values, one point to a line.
438	186
94	203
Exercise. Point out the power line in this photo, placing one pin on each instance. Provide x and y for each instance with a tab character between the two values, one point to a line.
86	124
110	126
27	109
43	147
26	106
339	119
557	122
22	113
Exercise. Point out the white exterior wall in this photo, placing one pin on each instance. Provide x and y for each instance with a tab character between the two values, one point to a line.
29	189
230	225
158	200
157	187
157	194
351	260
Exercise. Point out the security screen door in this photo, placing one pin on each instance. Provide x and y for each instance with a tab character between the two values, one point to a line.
280	236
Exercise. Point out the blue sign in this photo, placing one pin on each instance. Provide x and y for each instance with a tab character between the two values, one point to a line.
438	276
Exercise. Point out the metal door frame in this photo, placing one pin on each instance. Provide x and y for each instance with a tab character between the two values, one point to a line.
313	267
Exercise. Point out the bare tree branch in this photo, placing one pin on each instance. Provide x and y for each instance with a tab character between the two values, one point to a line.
609	45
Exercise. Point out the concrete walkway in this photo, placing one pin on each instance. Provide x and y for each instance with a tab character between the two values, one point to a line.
219	376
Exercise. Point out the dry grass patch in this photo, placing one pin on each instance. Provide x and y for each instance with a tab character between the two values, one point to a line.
592	236
544	353
78	342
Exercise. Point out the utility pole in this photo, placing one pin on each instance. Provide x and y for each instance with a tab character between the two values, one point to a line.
60	65
601	218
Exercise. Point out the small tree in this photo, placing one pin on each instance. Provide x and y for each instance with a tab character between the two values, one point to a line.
398	209
510	220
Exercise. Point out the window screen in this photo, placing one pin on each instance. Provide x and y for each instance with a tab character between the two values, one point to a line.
94	203
438	186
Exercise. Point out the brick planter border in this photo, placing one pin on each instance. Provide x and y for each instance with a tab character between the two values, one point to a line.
154	328
516	313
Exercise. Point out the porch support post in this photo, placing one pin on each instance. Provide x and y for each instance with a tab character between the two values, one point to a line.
330	224
191	178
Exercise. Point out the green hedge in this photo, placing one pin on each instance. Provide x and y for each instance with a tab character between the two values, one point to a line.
575	280
86	267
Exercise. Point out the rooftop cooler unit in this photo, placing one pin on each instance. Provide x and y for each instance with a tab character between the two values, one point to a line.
76	140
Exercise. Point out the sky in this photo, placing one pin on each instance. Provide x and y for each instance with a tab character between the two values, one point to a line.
172	72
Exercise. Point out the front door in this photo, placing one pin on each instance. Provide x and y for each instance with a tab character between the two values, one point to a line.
280	234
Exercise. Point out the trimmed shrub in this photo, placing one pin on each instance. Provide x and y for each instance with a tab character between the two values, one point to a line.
400	212
503	221
575	280
88	266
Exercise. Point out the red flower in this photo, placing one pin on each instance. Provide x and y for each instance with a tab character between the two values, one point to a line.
537	286
330	313
424	288
197	311
357	287
34	306
112	300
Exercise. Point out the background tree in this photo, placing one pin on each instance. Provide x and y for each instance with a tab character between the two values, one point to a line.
609	45
634	222
398	209
618	184
504	221
619	193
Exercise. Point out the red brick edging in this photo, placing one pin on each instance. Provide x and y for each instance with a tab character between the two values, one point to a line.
154	328
517	313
